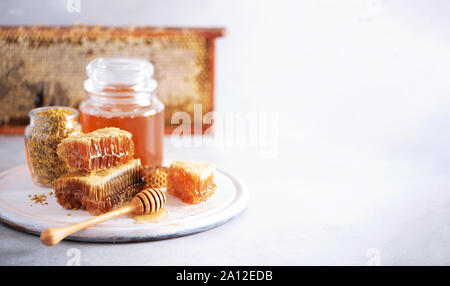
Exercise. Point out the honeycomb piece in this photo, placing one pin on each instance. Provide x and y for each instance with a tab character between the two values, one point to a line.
191	181
99	191
155	177
97	150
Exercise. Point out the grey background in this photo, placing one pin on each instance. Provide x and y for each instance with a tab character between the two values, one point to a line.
362	161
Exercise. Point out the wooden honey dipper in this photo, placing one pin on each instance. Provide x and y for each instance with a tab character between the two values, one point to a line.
147	201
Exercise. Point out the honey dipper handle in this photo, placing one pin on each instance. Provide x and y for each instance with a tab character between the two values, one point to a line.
52	236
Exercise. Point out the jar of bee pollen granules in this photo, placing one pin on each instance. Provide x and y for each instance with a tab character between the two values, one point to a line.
121	93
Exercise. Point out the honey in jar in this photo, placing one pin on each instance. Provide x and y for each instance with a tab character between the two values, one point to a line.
121	93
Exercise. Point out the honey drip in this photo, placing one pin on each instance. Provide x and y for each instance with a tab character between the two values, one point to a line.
147	131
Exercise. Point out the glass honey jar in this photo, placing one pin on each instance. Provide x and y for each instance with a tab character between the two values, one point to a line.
121	93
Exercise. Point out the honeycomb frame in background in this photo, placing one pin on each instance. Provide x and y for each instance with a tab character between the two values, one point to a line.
41	66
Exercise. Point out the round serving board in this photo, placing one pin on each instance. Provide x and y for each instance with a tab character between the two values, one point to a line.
19	211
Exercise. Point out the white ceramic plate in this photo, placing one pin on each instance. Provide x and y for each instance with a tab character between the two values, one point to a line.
17	210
